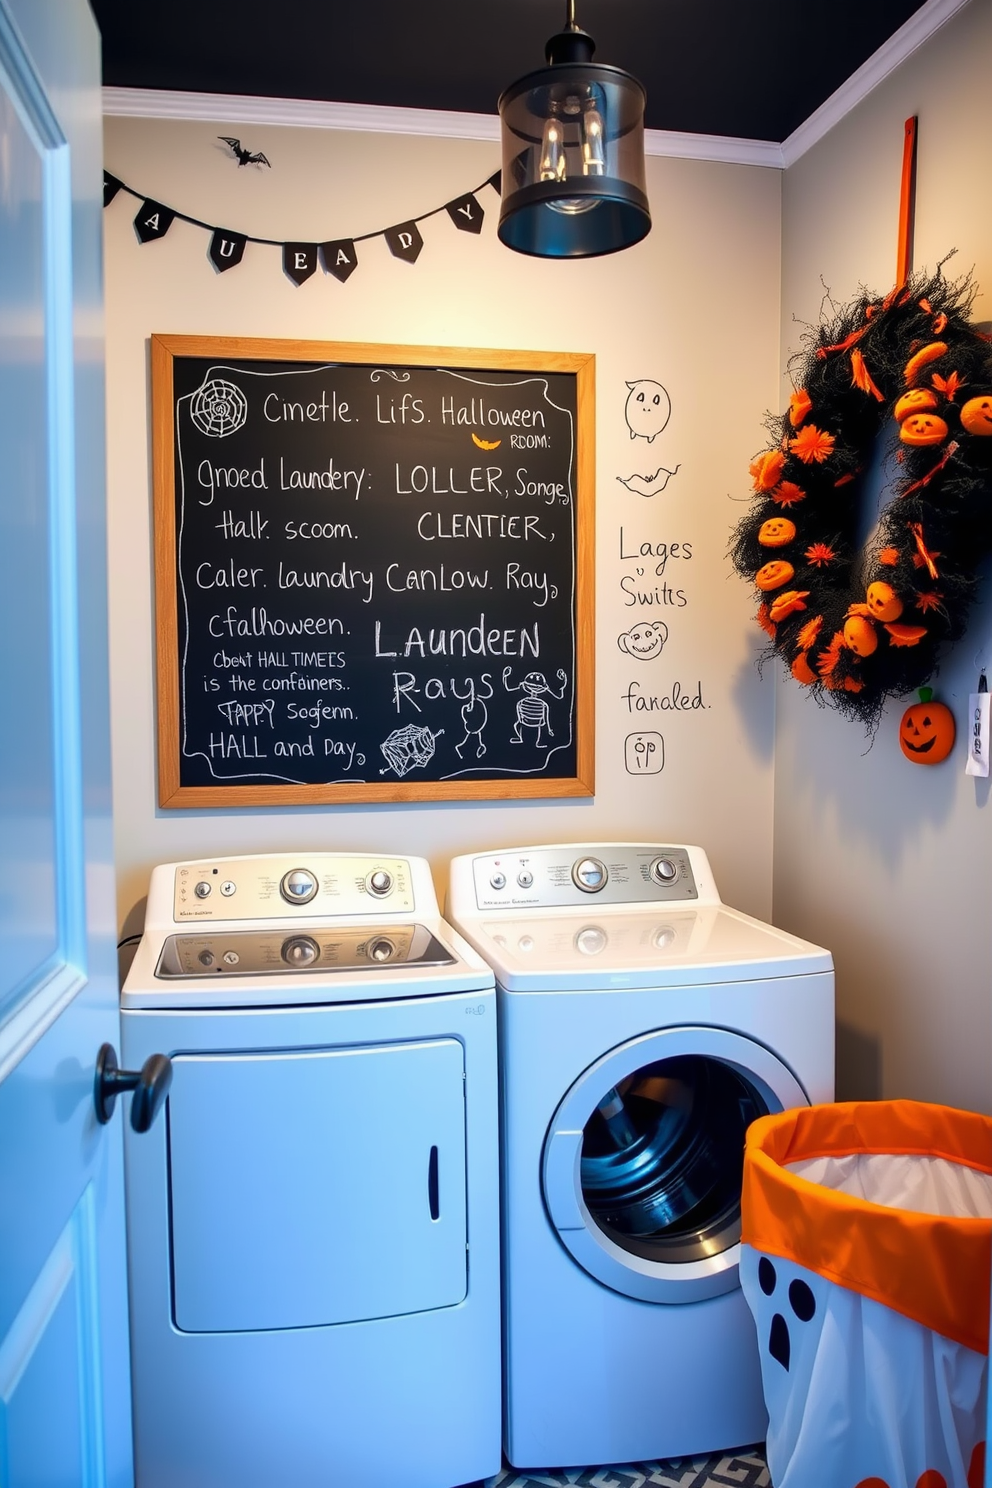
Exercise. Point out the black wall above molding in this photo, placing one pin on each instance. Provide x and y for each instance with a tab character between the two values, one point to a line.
754	69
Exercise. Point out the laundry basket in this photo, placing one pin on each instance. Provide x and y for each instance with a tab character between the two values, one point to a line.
865	1260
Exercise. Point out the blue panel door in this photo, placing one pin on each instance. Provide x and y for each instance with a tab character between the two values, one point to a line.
64	1397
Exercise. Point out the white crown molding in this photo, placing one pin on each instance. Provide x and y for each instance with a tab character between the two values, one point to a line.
902	44
228	108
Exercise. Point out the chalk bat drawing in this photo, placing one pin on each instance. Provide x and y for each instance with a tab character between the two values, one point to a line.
644	642
409	748
218	408
245	157
647	410
532	709
649	485
475	716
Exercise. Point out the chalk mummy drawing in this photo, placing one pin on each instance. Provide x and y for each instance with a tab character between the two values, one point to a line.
644	642
475	716
648	485
409	748
647	410
532	709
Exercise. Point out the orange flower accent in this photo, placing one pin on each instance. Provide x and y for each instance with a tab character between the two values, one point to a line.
788	603
906	635
799	406
858	609
826	662
820	553
862	378
764	621
812	444
939	323
767	469
889	557
929	601
787	494
947	385
809	632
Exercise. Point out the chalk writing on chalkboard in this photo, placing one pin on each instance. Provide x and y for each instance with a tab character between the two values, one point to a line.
373	572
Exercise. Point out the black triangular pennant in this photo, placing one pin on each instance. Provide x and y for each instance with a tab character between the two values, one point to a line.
404	241
153	220
339	258
226	249
466	213
299	260
496	182
111	186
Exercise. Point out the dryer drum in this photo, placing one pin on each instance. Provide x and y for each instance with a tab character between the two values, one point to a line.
663	1154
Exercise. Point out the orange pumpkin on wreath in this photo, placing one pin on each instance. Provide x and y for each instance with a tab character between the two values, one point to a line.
856	628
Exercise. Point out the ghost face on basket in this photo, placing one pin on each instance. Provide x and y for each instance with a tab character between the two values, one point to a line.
786	1302
645	641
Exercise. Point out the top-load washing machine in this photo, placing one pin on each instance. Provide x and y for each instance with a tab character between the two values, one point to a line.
313	1223
643	1025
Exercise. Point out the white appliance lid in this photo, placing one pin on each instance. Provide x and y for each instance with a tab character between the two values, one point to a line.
661	947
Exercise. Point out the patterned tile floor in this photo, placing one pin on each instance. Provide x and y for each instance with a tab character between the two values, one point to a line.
743	1469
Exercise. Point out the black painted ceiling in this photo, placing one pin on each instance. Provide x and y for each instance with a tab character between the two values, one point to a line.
748	68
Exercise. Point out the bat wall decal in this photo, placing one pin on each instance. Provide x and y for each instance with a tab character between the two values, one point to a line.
245	157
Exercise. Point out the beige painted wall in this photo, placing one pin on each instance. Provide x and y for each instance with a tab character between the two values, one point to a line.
695	306
888	863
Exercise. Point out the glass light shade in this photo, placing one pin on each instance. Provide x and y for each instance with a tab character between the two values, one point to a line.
573	162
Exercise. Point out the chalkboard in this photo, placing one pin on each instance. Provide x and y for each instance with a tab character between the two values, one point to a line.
373	571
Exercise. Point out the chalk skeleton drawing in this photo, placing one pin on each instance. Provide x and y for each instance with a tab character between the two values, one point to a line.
644	642
647	410
409	748
532	709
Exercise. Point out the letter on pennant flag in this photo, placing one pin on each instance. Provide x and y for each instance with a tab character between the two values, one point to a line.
153	221
404	241
466	213
339	258
226	249
111	186
299	260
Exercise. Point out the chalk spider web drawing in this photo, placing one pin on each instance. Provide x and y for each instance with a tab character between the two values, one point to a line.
409	748
218	408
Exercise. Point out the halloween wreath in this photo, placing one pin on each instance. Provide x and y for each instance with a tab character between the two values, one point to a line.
855	626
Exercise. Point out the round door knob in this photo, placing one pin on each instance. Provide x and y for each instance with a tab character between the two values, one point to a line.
300	950
664	871
379	882
589	875
298	886
150	1085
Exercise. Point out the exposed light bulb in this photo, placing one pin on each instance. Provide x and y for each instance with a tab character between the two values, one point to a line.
593	154
553	151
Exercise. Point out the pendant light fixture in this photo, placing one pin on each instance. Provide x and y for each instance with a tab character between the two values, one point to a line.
573	154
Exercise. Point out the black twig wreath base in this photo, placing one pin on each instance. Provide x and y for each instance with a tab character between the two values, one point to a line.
855	627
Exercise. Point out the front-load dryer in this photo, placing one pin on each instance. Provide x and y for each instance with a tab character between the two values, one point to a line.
313	1229
643	1025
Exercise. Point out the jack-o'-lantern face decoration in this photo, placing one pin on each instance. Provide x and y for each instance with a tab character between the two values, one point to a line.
976	415
773	575
884	602
921	429
917	400
926	732
776	532
860	635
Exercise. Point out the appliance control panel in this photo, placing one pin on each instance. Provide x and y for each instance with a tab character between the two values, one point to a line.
562	877
280	887
309	949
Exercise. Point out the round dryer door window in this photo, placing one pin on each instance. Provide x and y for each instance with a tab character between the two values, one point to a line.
644	1158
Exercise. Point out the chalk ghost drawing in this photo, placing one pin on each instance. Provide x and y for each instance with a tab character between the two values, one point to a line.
648	409
648	485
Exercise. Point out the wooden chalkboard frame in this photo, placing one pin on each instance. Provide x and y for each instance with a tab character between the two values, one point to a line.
172	793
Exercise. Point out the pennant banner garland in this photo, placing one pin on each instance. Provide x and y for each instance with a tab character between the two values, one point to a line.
299	260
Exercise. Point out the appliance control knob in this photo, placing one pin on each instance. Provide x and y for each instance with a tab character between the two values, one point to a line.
589	875
298	886
202	889
591	940
525	878
381	949
379	882
206	958
300	950
664	936
664	871
498	880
